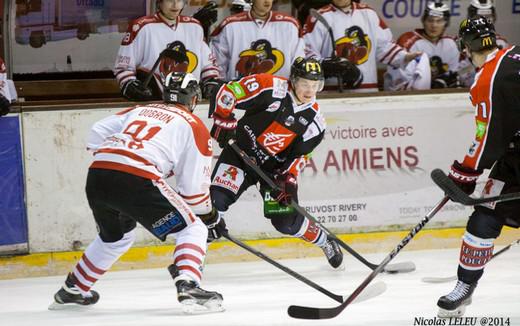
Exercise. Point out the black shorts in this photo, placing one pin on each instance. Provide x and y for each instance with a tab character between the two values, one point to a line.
118	200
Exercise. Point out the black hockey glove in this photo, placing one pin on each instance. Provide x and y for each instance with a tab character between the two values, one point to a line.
210	88
223	129
216	225
134	90
465	178
5	105
448	79
207	16
350	74
287	188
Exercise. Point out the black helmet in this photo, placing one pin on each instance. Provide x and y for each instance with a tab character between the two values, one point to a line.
477	34
309	68
437	9
183	88
484	8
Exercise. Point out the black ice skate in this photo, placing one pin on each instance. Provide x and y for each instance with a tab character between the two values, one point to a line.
454	304
69	294
333	253
192	297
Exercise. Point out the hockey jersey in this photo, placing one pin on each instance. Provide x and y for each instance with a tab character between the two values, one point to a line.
496	98
416	75
7	88
275	131
245	46
154	142
148	36
360	36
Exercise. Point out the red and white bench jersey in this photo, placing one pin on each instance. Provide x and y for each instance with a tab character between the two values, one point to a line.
148	36
445	48
154	142
360	36
7	88
244	46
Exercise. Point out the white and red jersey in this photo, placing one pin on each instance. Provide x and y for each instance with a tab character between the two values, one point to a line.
148	36
245	46
445	47
154	142
360	36
7	88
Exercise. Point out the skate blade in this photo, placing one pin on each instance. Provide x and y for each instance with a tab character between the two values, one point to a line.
459	312
191	307
67	306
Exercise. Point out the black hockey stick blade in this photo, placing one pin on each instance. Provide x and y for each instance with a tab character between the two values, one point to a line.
287	270
301	312
457	195
433	279
391	269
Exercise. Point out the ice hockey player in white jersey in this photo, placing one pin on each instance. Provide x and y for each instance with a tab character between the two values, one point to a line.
179	40
7	90
134	152
441	49
360	36
257	41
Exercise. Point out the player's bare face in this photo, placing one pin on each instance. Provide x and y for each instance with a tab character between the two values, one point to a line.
342	4
434	27
170	9
306	90
262	7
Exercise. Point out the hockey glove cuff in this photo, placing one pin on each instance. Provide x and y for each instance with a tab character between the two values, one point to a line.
223	129
465	178
287	188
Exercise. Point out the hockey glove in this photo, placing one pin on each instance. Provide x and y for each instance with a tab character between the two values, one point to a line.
287	188
5	105
210	88
134	90
207	16
215	223
464	177
223	129
340	67
448	79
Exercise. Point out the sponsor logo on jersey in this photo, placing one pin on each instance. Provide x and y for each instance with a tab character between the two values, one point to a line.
481	129
228	177
176	58
473	148
303	121
289	121
280	87
355	46
225	100
260	58
492	188
237	89
276	138
274	106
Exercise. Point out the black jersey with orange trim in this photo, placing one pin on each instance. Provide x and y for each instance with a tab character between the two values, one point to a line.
496	98
274	130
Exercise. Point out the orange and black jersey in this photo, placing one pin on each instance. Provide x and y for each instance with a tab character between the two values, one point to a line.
495	94
274	130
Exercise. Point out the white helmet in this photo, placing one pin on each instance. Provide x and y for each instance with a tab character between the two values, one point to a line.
437	8
484	8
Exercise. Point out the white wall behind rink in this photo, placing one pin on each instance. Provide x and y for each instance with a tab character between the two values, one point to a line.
370	173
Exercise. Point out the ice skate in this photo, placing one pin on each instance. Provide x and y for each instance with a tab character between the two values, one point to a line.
454	304
192	298
69	295
333	253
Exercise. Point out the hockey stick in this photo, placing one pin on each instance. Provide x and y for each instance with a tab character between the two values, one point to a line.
395	268
457	195
289	271
314	13
454	277
327	313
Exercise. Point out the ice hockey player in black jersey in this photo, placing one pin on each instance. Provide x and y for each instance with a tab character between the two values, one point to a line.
281	126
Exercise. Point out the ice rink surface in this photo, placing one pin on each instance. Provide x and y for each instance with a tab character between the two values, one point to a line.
256	293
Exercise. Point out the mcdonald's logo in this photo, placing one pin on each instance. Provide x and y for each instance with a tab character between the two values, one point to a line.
486	41
312	66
